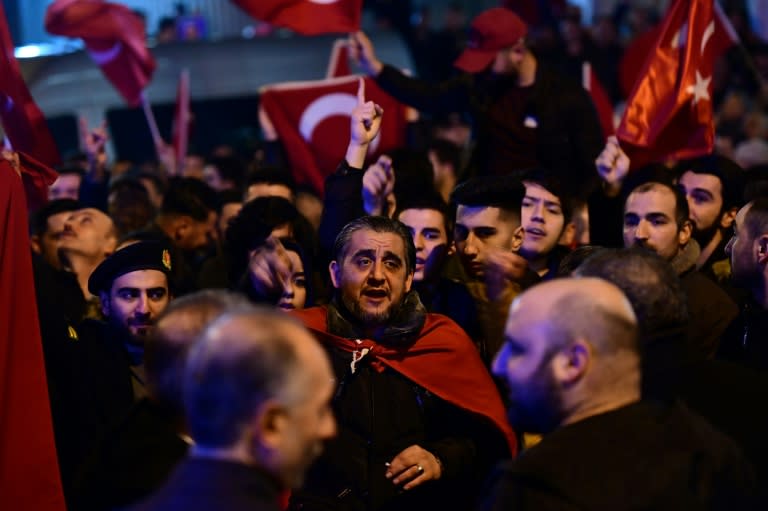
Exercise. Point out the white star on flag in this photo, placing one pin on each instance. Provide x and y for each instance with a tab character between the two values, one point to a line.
700	89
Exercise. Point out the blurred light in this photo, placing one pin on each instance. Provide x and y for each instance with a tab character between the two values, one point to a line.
28	52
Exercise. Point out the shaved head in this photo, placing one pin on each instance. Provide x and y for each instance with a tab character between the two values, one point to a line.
570	351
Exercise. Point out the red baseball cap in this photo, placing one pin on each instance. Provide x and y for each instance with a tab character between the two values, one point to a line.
491	31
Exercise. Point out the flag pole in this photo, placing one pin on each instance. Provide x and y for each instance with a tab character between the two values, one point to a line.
151	122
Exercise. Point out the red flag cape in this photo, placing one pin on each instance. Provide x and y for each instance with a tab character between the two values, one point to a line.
312	120
444	361
114	37
23	122
182	118
29	474
669	113
308	17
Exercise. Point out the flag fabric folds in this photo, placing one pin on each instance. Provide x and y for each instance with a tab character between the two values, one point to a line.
312	121
29	474
307	17
114	37
22	120
669	114
599	97
338	63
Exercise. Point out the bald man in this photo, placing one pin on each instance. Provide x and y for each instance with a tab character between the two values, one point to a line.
257	395
571	360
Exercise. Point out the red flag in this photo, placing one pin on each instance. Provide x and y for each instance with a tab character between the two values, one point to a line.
29	474
669	113
312	120
599	97
308	17
23	122
182	119
114	37
338	64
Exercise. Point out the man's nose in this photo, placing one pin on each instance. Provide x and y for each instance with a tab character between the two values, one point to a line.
470	245
641	230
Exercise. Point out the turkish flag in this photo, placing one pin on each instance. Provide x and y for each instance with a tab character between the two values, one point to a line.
338	63
669	113
114	37
23	122
29	473
599	97
182	118
308	17
312	120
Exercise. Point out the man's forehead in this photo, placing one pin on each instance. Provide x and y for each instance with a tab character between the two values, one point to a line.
366	239
710	182
487	216
655	200
537	191
423	217
141	279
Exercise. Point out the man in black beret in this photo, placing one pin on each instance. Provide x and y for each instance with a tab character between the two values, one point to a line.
134	287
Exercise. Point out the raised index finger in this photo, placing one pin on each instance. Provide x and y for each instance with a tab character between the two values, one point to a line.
360	91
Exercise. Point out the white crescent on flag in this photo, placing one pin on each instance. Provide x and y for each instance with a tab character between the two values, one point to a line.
323	2
337	103
106	56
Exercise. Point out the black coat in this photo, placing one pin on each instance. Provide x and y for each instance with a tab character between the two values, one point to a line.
200	484
641	456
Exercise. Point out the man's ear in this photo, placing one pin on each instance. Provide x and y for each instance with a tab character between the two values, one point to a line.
408	282
181	227
762	249
451	248
34	242
726	221
517	239
269	424
105	305
567	237
684	236
571	363
334	270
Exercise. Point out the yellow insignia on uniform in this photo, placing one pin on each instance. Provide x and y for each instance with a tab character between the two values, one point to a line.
72	333
167	259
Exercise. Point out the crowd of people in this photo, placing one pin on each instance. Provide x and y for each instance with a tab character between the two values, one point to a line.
518	323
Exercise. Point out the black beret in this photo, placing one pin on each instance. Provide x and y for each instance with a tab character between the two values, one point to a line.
143	255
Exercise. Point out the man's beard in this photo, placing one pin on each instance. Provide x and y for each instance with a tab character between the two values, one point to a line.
704	236
541	409
366	317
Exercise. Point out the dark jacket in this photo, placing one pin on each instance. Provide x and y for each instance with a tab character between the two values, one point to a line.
200	484
380	412
641	456
552	124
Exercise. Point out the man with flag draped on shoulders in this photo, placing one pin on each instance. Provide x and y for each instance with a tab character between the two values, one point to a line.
420	421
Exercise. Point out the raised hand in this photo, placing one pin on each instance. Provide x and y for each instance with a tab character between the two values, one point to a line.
362	52
94	143
270	268
378	186
364	127
612	165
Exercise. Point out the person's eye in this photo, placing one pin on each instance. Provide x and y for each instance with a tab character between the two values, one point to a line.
157	295
432	236
527	204
460	233
363	262
658	222
555	210
300	282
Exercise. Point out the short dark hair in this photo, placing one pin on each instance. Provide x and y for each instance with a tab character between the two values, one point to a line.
191	197
226	379
129	205
503	192
552	183
427	201
38	224
167	348
70	169
413	172
649	282
379	224
271	175
730	174
682	214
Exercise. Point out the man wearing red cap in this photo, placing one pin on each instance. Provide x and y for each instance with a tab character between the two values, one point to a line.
524	114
